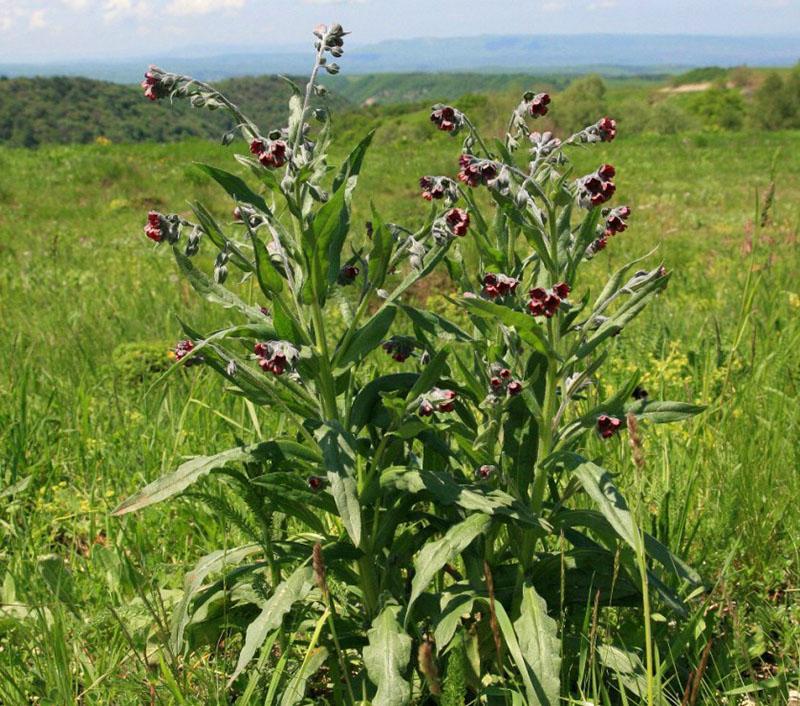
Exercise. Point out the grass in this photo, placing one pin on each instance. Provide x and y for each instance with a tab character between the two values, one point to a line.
85	598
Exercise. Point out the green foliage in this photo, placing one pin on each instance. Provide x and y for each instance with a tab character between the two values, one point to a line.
581	103
136	363
718	108
776	105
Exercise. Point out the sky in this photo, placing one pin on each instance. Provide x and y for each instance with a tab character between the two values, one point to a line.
58	30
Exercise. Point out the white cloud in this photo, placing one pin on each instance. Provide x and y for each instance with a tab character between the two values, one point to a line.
36	20
76	5
554	6
334	2
602	5
202	7
120	9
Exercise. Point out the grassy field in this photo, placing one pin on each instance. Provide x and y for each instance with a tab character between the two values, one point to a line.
84	597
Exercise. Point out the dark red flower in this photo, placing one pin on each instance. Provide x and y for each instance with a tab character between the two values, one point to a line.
457	220
514	388
607	129
446	118
505	373
562	290
183	349
551	305
449	404
600	244
348	274
315	483
485	471
425	409
606	172
264	311
257	146
433	187
153	228
639	393
538	105
608	426
275	155
498	285
399	348
495	383
538	294
151	86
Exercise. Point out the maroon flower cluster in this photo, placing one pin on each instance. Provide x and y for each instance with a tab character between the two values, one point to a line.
439	401
608	426
597	188
457	220
502	382
348	274
447	118
616	220
183	349
498	285
438	188
271	153
275	356
546	303
153	228
537	106
152	85
474	171
399	347
607	129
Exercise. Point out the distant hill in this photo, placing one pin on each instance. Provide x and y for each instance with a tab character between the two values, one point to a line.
608	54
62	110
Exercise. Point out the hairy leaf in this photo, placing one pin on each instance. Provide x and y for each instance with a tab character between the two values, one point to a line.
386	657
538	639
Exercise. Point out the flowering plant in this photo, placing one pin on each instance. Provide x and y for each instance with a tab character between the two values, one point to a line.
420	533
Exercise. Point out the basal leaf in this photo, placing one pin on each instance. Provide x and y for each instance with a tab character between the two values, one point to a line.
386	657
339	462
537	634
285	595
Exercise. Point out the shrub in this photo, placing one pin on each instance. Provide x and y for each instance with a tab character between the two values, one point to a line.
434	518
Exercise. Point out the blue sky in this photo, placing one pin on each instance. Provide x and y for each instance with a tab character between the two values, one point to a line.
45	30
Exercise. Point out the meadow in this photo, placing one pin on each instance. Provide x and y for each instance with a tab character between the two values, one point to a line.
89	314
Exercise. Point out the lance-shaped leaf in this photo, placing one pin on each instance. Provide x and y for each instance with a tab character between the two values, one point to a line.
338	458
351	167
218	237
269	279
434	324
453	604
663	411
285	595
200	466
435	555
330	228
537	634
381	253
213	292
215	561
472	497
296	688
386	658
367	338
236	187
525	325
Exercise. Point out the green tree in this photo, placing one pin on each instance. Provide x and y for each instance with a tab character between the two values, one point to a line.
580	104
772	106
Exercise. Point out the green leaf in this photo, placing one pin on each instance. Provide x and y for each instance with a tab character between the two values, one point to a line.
367	403
435	555
285	595
381	253
352	165
212	291
367	338
538	639
215	561
471	497
434	324
339	461
663	411
235	186
597	483
296	688
218	237
269	279
431	374
453	605
200	466
386	657
525	325
330	228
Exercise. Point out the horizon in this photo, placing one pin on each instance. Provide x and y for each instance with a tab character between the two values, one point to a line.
74	31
